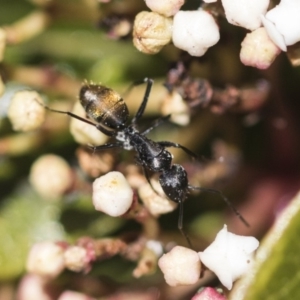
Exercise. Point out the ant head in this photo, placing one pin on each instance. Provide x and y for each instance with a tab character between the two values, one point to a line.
104	106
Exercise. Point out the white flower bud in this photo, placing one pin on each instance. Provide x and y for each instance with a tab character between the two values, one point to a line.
151	31
51	176
84	133
195	31
167	8
156	202
174	105
75	258
2	43
258	50
273	33
112	194
45	259
229	256
285	17
180	266
71	295
245	13
33	287
24	112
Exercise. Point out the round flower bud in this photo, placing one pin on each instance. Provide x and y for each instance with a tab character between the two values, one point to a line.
84	133
258	50
285	17
156	202
195	31
112	194
34	287
75	258
151	31
245	13
24	112
180	266
2	43
71	295
167	8
51	176
45	259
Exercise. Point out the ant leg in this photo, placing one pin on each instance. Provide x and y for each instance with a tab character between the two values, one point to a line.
145	100
106	146
98	126
230	205
66	113
175	145
156	123
180	224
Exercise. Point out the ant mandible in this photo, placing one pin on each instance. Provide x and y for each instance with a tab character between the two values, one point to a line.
109	110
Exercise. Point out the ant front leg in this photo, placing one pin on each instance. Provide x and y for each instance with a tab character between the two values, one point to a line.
142	107
175	145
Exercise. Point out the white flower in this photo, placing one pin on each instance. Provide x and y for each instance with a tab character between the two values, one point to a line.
112	194
229	256
285	18
195	31
245	13
181	266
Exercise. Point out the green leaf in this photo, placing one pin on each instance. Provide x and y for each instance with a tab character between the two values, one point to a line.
276	272
25	219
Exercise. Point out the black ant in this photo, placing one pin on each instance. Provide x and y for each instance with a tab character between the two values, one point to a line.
108	109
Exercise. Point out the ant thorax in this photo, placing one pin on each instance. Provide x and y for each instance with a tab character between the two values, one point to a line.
123	137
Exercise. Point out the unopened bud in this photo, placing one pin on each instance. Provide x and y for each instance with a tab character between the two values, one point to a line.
112	194
258	50
167	8
84	133
76	258
51	176
24	112
156	201
45	259
189	33
71	295
180	266
245	13
151	32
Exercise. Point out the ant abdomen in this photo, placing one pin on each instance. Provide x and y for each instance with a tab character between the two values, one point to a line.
104	105
174	183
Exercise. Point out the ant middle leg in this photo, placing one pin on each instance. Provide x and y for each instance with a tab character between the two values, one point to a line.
175	145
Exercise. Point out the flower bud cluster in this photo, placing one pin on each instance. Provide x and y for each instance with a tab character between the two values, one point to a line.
229	257
196	31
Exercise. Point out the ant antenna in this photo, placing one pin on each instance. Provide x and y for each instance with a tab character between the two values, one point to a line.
230	205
